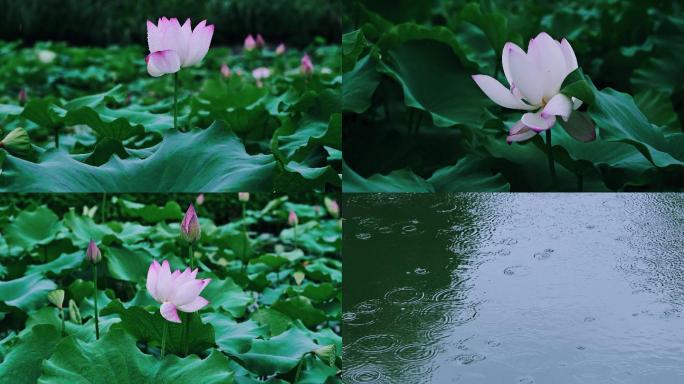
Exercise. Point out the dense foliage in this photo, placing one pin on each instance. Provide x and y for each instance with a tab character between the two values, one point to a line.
114	122
414	120
275	299
118	22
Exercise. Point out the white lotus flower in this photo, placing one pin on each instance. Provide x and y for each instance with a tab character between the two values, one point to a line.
535	80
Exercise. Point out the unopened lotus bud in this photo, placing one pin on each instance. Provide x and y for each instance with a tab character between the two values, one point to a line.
249	43
225	71
17	142
22	96
200	199
292	219
259	41
306	66
56	297
280	49
327	354
243	196
74	312
332	207
93	253
190	228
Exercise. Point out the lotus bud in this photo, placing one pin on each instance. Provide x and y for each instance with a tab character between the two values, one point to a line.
22	96
46	56
74	312
243	196
306	66
327	354
190	228
200	199
249	43
292	219
225	71
56	297
260	41
17	142
280	49
93	253
332	207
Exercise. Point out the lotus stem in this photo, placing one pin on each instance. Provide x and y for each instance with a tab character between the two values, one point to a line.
299	368
580	183
420	120
164	333
186	334
295	236
63	326
56	137
175	100
97	320
104	206
191	256
410	120
549	154
244	233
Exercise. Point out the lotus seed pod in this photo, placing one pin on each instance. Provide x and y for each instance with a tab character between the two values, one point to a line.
56	297
17	142
327	354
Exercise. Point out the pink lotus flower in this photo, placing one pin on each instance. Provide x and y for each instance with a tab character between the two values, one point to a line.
535	78
261	73
93	253
173	46
243	196
280	49
175	291
292	219
260	41
249	43
225	71
190	228
306	66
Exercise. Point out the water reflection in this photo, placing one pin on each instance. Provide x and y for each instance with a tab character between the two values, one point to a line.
514	288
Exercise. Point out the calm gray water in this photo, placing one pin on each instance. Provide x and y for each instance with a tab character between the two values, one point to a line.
514	288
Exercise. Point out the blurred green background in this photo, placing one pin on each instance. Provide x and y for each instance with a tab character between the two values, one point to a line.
100	22
224	206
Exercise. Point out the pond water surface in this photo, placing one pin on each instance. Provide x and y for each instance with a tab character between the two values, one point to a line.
513	288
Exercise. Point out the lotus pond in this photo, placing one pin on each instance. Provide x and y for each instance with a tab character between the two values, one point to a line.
514	288
267	309
253	118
